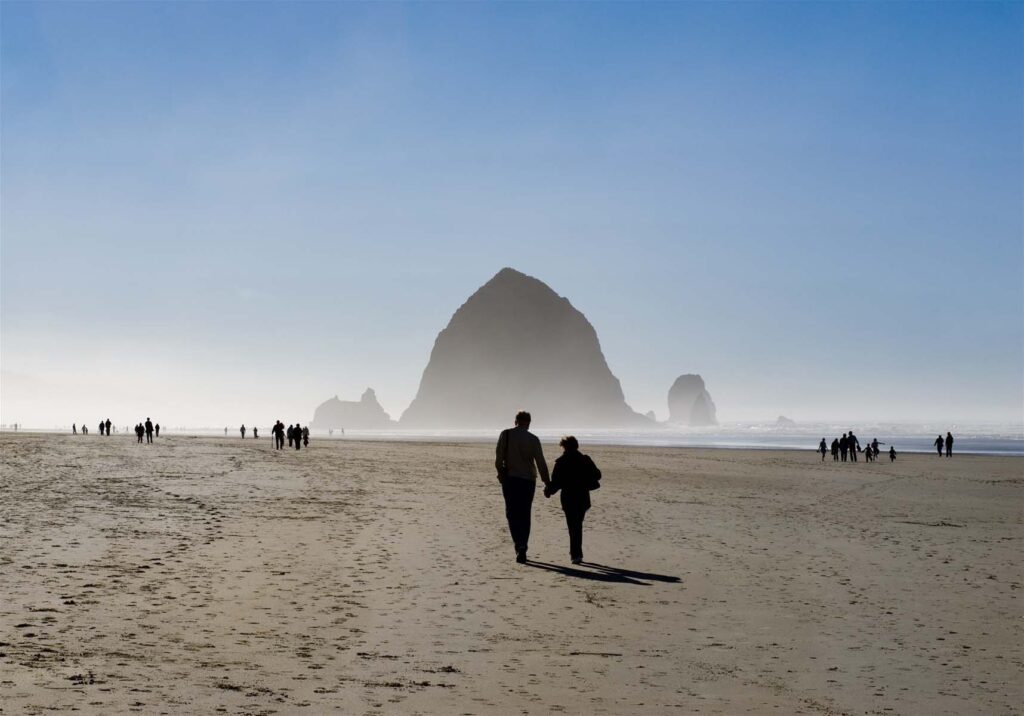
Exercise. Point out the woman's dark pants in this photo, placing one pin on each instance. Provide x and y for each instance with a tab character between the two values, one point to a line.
518	495
574	521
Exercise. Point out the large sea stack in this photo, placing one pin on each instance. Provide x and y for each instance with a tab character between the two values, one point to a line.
689	402
516	344
366	414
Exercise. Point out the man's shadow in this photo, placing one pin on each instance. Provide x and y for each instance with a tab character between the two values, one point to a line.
603	573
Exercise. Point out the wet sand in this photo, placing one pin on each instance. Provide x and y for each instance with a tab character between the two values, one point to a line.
202	575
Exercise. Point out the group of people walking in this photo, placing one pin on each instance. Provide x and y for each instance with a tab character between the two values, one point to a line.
519	459
296	434
945	443
105	427
147	428
850	445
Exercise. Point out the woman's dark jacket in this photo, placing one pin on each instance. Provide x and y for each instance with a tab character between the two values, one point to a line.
574	474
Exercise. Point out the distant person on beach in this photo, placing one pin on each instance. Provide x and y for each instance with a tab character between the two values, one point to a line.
949	444
74	429
892	454
874	447
854	444
108	427
844	445
149	430
101	427
139	431
157	429
305	436
869	455
575	474
291	435
255	433
242	430
938	445
518	459
85	430
278	433
297	436
835	449
823	449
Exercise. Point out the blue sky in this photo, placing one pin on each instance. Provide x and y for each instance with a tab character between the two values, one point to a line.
229	212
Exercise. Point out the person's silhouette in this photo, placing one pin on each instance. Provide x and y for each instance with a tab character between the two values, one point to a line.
255	434
823	449
297	436
74	429
892	454
518	459
575	474
291	434
854	444
242	430
157	429
949	444
844	445
108	427
835	449
938	445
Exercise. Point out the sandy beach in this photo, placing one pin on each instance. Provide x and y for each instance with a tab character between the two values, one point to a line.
202	575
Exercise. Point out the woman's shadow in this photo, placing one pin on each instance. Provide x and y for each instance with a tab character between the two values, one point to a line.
604	573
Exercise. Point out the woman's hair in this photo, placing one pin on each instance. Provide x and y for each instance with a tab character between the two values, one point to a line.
569	443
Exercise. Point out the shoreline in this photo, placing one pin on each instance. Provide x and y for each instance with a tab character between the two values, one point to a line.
549	437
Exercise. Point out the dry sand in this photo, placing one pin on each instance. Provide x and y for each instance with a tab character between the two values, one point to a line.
219	576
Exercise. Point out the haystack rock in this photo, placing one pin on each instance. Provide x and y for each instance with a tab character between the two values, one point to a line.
689	402
516	344
784	422
366	414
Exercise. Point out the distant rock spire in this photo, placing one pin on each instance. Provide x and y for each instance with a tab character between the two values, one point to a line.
689	402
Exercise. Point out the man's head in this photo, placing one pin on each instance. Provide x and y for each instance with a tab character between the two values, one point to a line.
569	443
523	419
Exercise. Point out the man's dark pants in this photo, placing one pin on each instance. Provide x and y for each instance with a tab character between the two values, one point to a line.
574	521
518	502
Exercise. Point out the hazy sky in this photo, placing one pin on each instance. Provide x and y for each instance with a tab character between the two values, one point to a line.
229	212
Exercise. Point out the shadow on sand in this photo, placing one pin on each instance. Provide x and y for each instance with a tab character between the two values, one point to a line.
602	573
650	576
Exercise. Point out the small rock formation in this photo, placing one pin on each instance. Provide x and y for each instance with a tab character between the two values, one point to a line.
516	344
366	414
689	402
651	416
784	422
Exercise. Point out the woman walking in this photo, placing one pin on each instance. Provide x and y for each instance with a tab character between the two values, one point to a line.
575	474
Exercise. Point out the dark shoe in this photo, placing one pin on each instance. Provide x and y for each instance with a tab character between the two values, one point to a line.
521	557
577	560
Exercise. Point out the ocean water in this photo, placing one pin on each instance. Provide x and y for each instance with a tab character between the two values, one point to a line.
977	439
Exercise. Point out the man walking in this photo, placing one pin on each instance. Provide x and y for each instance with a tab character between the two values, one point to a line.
854	444
949	444
149	430
518	459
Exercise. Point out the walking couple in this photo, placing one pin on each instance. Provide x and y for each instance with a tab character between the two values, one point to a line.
519	459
